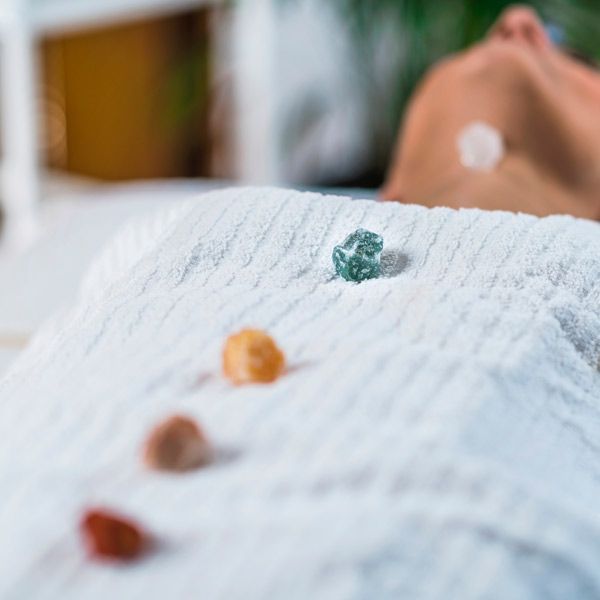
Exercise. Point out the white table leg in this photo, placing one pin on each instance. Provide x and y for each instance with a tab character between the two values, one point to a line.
20	169
256	124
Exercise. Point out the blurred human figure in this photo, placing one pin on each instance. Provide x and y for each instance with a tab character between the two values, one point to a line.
543	102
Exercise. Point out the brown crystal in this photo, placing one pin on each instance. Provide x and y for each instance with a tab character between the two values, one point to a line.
177	444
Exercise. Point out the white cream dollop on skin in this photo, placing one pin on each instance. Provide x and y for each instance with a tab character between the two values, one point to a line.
480	146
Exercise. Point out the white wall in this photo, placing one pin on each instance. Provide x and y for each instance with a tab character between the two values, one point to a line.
303	108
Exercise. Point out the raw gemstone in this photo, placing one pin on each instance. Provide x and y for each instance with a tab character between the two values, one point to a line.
109	536
252	356
358	257
177	444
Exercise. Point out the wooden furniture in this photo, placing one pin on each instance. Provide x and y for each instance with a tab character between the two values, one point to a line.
22	25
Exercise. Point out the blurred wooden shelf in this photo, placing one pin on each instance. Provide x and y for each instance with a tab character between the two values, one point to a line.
23	24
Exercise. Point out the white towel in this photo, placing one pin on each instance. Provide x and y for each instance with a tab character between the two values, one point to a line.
437	434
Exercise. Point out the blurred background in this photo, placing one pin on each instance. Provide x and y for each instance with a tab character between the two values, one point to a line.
300	92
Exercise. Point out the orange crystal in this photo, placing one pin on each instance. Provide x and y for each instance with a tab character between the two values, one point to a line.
177	444
110	536
252	356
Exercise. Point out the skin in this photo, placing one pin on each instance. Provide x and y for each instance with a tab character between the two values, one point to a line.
547	107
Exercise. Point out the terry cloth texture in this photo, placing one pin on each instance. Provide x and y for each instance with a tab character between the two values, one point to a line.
437	433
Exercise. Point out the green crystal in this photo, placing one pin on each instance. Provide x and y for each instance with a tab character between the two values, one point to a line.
358	257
